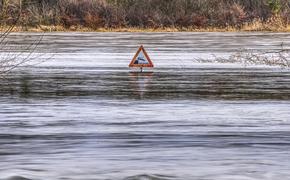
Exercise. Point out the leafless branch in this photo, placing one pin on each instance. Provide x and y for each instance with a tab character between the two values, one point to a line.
246	57
12	53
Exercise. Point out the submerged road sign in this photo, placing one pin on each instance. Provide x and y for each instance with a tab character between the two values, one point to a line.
141	59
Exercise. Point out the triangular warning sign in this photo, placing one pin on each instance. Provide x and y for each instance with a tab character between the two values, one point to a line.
141	59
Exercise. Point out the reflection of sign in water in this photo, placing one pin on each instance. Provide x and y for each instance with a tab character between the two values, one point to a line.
140	82
141	59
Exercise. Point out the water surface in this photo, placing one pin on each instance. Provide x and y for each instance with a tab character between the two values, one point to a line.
83	115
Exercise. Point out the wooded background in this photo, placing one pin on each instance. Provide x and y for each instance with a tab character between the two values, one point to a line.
147	13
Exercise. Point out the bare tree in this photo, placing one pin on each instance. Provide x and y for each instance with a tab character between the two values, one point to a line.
12	53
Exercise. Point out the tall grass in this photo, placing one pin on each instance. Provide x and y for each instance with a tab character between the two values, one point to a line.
179	14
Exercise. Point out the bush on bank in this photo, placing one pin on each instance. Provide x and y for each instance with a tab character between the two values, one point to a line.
155	14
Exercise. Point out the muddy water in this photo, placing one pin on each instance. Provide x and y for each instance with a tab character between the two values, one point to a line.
82	115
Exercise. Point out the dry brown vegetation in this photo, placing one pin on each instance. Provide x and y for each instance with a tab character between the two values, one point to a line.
251	15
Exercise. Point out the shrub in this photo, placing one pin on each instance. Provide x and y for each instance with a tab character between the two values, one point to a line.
150	13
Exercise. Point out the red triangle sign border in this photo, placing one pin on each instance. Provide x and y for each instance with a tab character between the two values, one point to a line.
150	63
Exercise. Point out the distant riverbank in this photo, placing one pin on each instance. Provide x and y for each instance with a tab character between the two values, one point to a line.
145	15
255	27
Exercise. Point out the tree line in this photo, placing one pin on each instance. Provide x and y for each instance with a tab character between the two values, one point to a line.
180	14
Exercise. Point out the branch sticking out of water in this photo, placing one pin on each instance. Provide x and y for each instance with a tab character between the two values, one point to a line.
247	57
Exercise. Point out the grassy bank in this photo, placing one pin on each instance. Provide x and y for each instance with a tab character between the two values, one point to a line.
255	27
147	15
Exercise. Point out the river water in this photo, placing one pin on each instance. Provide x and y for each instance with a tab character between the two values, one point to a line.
82	114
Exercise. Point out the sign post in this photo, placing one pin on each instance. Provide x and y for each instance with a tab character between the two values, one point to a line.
141	59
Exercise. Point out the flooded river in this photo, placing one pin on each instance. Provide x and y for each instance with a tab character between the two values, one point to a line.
81	114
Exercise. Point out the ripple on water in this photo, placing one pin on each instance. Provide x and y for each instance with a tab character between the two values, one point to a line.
17	178
150	177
